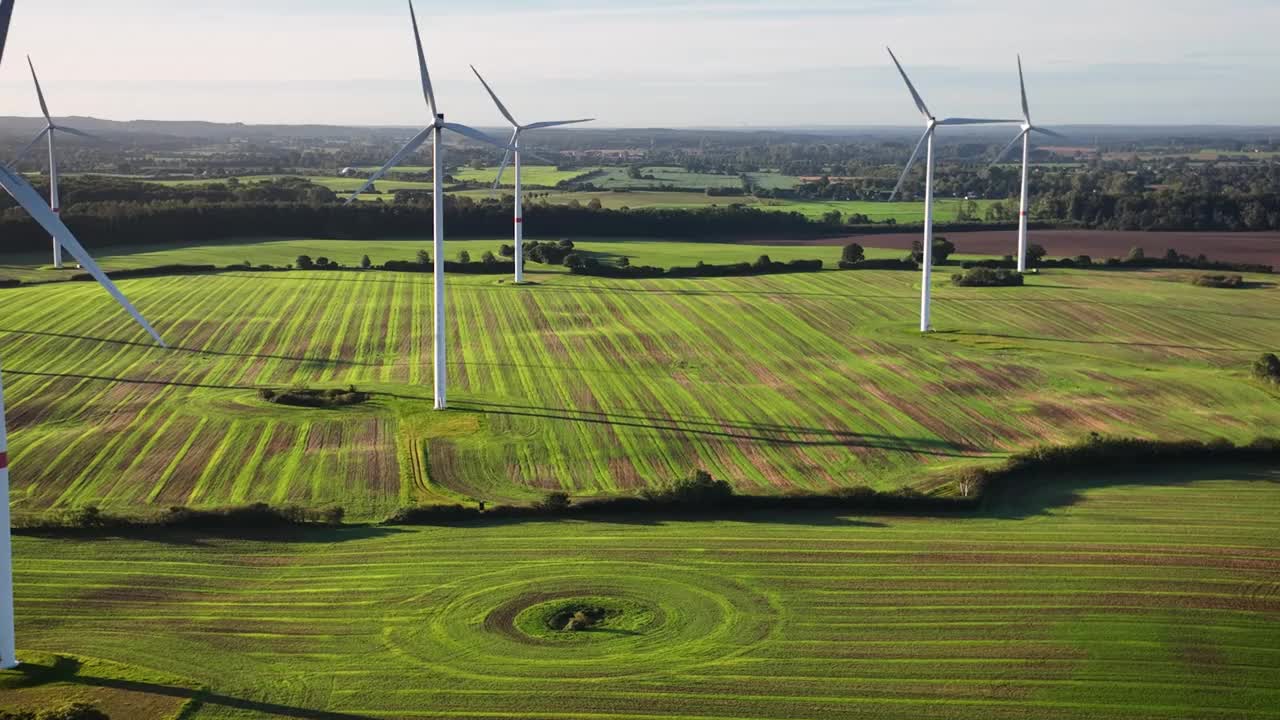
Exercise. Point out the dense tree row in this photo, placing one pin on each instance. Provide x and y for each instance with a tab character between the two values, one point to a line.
105	224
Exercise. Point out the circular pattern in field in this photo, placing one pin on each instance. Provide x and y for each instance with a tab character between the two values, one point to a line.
591	619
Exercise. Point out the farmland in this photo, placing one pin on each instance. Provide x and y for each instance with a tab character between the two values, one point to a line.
622	191
778	384
1107	596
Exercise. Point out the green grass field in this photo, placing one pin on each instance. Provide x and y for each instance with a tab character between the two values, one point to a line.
598	387
945	209
1118	597
532	176
630	193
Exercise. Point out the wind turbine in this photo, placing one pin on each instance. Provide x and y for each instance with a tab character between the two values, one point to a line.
436	133
50	130
517	129
1025	136
30	200
931	125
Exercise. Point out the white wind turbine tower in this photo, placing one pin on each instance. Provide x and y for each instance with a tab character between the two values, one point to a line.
30	200
517	130
1025	136
931	125
50	130
436	133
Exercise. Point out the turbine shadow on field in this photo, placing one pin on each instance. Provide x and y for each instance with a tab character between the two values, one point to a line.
67	670
314	361
1121	343
129	381
773	434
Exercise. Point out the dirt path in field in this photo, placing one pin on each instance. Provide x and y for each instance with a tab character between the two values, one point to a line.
1261	247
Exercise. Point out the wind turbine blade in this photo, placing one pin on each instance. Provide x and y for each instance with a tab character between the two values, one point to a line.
910	163
1050	133
924	109
30	200
44	108
1009	147
475	134
506	159
412	145
79	133
6	14
422	64
556	123
501	108
1026	107
18	158
976	121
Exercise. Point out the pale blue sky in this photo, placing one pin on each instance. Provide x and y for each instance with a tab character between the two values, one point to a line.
649	62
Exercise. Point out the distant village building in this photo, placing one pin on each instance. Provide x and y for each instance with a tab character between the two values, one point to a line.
349	172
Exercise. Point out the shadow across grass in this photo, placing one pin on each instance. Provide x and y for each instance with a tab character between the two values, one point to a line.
308	360
1116	343
66	670
754	432
1062	490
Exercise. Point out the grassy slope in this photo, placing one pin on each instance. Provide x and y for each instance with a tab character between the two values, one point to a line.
1154	601
596	386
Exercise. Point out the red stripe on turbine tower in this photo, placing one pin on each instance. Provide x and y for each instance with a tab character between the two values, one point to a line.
4	460
519	221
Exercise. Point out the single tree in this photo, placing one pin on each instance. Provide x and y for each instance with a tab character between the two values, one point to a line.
1036	253
365	262
304	262
852	254
424	257
464	257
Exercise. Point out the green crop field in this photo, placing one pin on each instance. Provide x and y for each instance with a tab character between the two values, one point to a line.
1120	597
628	193
533	176
598	387
945	209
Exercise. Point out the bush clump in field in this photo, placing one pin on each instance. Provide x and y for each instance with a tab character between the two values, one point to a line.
987	277
258	516
304	397
700	490
942	250
1219	281
555	502
73	711
852	254
1267	368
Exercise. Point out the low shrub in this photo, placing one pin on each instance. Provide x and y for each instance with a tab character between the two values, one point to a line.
581	264
987	277
303	397
1267	367
1219	281
155	271
258	516
699	490
9	283
555	502
880	265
